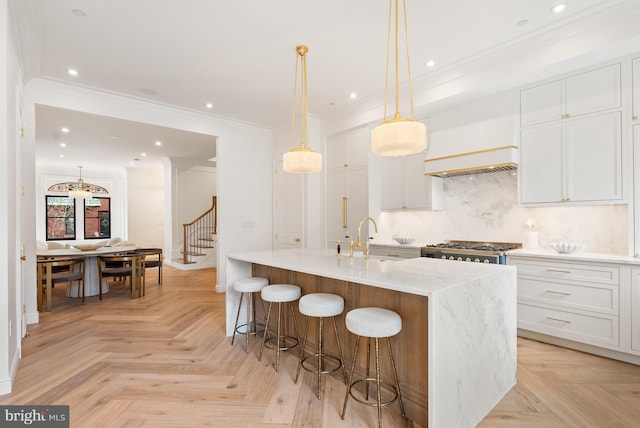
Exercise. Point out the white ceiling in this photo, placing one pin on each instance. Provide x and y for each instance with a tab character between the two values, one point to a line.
240	55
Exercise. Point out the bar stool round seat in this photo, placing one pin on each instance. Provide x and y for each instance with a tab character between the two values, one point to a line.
280	294
373	323
321	305
250	285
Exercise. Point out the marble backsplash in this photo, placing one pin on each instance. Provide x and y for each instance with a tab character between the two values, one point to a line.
484	207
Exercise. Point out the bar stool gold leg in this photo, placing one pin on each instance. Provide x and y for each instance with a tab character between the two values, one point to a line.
266	332
395	374
235	326
304	344
335	329
353	366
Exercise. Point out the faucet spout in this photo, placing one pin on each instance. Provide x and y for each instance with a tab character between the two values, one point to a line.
375	227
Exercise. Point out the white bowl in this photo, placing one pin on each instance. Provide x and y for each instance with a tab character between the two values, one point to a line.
566	247
88	247
403	240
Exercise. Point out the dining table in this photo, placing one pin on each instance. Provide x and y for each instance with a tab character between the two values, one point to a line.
91	280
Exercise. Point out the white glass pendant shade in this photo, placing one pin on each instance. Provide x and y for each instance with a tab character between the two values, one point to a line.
302	160
80	194
399	138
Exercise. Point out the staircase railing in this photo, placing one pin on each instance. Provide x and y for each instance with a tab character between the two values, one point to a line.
199	233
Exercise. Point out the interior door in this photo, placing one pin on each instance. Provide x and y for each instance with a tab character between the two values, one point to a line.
287	208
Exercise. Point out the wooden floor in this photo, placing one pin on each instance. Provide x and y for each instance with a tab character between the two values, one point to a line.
164	361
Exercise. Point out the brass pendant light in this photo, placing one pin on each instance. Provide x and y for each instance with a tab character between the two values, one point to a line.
301	159
398	136
80	190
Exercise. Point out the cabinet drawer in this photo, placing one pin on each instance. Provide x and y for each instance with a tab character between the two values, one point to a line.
568	271
586	328
393	251
590	297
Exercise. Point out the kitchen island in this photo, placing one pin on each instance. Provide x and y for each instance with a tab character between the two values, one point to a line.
457	350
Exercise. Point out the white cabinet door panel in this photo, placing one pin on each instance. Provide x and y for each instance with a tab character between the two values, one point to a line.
541	166
415	185
594	158
594	90
542	103
635	310
636	91
393	183
336	191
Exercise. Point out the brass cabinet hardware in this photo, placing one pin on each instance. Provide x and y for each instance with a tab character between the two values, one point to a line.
23	258
558	292
635	117
344	212
296	240
558	271
559	320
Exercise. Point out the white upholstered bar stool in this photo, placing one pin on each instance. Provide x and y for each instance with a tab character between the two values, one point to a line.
321	306
280	294
248	287
376	323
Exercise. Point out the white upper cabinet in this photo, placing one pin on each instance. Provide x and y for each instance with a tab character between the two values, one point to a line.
404	185
347	185
542	103
348	149
588	92
570	139
635	116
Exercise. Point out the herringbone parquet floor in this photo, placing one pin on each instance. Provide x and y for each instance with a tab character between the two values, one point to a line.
163	361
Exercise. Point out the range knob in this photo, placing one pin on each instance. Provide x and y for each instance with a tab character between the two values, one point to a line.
459	259
451	258
468	259
477	260
444	257
486	261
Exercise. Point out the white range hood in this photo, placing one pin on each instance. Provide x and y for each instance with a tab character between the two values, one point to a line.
481	161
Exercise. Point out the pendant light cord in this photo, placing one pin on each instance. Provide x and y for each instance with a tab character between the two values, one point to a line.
397	60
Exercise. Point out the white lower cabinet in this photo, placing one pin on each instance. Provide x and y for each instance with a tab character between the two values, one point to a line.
578	303
635	309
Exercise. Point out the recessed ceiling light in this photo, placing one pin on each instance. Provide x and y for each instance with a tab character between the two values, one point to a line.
115	137
558	8
64	129
209	105
332	103
522	22
430	63
72	72
79	13
158	143
63	145
143	154
61	156
149	91
353	95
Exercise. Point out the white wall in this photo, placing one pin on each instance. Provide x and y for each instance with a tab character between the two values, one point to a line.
145	206
10	204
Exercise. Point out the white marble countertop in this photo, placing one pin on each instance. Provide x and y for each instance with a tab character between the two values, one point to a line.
582	256
421	276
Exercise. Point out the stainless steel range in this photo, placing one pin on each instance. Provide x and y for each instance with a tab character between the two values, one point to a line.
470	251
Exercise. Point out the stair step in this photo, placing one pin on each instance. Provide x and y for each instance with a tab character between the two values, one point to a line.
207	239
202	246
